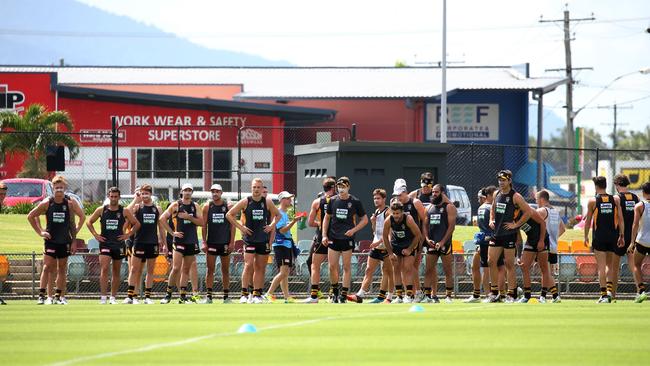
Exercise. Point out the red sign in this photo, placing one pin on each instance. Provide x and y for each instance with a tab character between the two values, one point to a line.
150	126
122	163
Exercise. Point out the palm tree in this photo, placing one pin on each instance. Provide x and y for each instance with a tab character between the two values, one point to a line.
30	133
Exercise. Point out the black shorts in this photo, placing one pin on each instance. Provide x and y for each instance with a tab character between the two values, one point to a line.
341	245
378	254
116	251
621	251
506	242
444	250
145	251
283	256
603	246
317	246
532	247
257	248
641	249
187	249
552	258
57	251
398	251
222	250
483	252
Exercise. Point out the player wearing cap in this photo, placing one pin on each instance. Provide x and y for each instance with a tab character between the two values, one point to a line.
628	201
260	217
506	208
608	232
345	216
60	232
218	240
283	248
640	247
415	208
401	238
318	251
187	216
554	228
425	192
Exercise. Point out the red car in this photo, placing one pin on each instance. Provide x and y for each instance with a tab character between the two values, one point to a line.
26	190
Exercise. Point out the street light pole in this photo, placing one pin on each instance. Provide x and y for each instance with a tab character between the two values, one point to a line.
443	97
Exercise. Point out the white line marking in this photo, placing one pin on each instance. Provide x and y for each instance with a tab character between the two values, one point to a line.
156	346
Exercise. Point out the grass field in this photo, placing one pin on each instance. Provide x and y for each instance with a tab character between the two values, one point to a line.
84	332
17	236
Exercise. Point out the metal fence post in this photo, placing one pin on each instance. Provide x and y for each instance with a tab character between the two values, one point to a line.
239	165
114	151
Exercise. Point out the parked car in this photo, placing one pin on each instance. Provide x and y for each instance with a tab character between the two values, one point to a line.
458	196
26	190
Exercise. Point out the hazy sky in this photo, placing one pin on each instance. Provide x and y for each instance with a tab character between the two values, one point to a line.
379	32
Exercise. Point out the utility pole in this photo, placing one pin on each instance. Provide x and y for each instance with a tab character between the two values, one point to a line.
615	108
570	115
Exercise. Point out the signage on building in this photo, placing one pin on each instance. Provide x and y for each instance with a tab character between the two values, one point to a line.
122	163
475	122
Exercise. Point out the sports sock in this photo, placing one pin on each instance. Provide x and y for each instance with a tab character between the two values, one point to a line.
382	294
147	292
399	291
603	291
409	290
335	289
41	292
170	291
477	293
511	292
314	292
527	292
544	291
495	290
554	292
427	292
183	293
226	292
244	292
130	292
641	288
344	291
448	291
208	293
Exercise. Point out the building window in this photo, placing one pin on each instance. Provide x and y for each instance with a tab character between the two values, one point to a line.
195	163
168	163
144	163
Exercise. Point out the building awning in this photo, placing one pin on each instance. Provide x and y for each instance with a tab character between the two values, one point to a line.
527	175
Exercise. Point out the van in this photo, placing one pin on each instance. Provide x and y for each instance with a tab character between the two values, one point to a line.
458	196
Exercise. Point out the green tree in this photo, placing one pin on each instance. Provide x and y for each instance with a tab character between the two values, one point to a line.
30	133
634	140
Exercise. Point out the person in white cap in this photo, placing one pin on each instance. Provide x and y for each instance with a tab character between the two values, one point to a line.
260	216
187	216
218	240
282	247
415	208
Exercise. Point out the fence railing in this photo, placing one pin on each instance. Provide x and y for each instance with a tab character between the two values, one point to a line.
576	275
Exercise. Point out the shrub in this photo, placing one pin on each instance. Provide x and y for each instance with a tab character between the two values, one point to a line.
22	208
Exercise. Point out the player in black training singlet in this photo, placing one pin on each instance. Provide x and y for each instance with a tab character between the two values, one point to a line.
506	208
112	247
425	192
344	218
148	243
60	232
605	218
187	217
627	201
318	251
259	216
218	241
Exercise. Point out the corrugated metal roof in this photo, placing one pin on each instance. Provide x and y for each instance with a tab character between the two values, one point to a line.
308	82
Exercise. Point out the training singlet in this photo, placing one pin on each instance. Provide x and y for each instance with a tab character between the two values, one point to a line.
112	223
218	225
643	237
380	218
148	217
438	223
58	221
552	227
605	220
628	201
257	216
187	227
505	211
401	236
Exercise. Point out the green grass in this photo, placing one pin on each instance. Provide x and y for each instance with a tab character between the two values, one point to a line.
574	332
17	236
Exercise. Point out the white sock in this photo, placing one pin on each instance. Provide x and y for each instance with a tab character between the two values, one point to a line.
389	296
103	298
361	293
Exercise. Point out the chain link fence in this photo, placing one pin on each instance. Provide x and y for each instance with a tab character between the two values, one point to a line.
20	273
